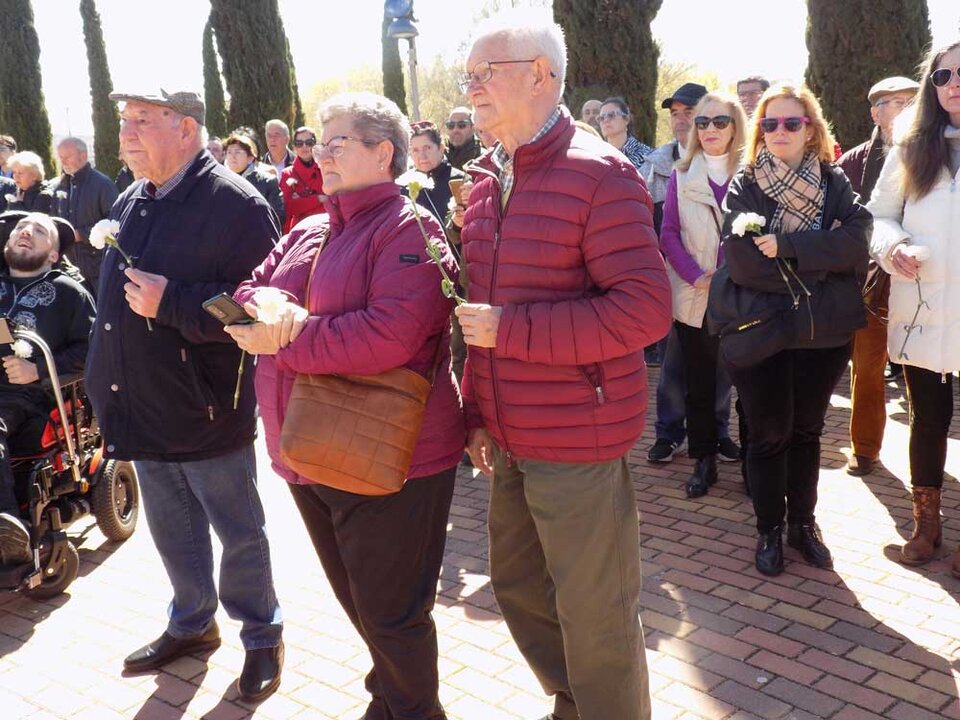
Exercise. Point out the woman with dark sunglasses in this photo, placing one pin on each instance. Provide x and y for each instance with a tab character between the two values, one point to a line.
690	241
800	271
614	119
916	205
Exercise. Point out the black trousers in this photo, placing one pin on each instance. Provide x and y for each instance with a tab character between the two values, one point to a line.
382	556
931	409
21	428
699	350
785	399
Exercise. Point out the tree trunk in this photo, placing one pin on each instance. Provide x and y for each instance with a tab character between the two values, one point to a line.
23	113
252	44
854	44
216	113
611	51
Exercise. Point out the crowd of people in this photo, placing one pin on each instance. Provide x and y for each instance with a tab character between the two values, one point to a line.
746	253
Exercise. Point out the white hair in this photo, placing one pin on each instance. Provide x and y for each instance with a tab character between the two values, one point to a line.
78	144
28	160
529	32
279	124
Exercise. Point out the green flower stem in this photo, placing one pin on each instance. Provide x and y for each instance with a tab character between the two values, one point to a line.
236	392
112	242
431	251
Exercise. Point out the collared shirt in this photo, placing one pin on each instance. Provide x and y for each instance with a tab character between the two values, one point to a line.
635	151
505	163
158	193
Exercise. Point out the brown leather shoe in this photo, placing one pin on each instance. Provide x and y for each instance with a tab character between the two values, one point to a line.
860	465
927	535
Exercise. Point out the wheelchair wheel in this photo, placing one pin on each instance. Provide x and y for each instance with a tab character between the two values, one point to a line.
115	500
57	579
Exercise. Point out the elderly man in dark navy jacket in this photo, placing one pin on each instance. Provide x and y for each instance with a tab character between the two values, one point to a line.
161	374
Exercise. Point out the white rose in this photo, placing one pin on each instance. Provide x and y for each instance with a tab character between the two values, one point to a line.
104	231
22	349
269	302
743	221
415	181
920	253
291	182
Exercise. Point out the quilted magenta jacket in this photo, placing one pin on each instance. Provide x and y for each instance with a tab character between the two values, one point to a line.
375	304
573	262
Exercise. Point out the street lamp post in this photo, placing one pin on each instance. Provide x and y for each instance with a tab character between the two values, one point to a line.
403	28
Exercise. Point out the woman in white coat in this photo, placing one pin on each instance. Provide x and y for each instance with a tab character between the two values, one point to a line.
916	207
690	241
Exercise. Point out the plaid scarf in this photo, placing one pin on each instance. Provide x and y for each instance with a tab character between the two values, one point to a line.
798	193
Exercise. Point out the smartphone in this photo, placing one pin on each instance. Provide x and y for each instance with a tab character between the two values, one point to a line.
455	185
227	310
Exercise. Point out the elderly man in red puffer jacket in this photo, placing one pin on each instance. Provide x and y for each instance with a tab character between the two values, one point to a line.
566	288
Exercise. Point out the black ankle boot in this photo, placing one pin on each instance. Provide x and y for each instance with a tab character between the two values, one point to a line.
769	558
704	475
806	538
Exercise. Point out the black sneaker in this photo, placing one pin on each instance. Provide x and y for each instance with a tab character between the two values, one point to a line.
662	451
14	541
728	451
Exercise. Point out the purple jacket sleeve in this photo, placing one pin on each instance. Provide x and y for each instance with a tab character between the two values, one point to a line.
632	306
405	306
671	242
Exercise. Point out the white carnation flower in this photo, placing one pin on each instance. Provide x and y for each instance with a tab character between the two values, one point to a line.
747	222
104	233
22	349
269	302
920	253
415	181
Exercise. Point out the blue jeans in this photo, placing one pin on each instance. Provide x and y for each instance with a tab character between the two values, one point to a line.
182	500
672	390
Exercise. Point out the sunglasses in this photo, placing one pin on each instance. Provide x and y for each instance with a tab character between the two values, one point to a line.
720	122
941	77
462	124
790	124
603	117
309	142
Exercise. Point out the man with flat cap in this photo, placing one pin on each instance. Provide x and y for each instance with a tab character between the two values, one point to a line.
862	164
35	294
161	373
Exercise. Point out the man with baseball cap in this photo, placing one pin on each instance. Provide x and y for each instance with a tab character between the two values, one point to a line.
862	165
161	374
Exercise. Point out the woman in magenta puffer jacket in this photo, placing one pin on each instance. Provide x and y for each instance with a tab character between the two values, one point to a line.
375	303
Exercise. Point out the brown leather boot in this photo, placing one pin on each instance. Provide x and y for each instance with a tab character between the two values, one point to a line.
927	536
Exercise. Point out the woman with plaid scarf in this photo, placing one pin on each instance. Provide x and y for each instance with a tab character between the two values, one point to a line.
803	260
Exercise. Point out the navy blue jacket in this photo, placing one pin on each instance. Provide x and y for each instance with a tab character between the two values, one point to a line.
167	395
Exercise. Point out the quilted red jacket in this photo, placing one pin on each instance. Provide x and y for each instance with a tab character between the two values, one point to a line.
573	262
306	183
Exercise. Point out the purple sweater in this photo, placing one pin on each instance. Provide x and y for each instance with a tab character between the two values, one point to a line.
671	243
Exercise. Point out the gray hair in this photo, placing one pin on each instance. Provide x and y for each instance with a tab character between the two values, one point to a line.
375	119
529	32
277	123
29	160
79	144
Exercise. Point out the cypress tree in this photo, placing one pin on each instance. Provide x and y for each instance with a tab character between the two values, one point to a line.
852	45
106	117
298	117
252	44
610	51
392	67
216	115
23	113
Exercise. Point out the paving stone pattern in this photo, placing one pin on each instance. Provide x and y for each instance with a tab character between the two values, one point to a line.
871	639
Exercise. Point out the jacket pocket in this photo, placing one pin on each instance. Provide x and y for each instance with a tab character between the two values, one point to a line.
205	398
593	376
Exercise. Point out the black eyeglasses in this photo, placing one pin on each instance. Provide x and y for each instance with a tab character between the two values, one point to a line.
941	77
790	124
309	142
720	122
462	124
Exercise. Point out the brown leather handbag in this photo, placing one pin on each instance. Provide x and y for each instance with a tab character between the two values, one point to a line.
355	433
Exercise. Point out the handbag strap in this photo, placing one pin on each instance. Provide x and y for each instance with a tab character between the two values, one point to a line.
306	298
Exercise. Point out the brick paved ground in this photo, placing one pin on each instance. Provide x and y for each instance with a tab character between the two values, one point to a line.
871	639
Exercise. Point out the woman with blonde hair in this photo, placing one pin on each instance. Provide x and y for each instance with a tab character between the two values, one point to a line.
915	240
690	241
794	242
27	168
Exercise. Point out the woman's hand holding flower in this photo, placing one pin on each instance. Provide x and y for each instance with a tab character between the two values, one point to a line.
277	326
767	244
906	259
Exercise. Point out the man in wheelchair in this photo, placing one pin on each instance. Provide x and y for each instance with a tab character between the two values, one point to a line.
39	293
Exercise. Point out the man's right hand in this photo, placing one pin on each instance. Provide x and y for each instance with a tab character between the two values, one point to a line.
480	450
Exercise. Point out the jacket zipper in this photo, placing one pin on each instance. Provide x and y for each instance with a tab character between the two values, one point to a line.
502	211
195	372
